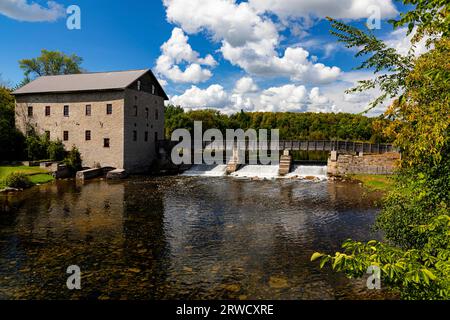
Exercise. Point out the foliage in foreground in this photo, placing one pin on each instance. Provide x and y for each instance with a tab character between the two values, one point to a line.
414	260
40	147
18	180
416	273
12	141
73	160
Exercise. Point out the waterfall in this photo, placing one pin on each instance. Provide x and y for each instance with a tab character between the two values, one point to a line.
257	171
214	170
302	171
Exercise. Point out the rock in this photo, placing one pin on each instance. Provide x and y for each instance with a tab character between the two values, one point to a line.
187	269
278	282
232	287
117	174
9	189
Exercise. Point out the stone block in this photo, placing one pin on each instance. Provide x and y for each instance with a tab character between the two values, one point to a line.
116	174
333	156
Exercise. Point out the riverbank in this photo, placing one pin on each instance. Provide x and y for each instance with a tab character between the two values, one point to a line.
375	182
36	175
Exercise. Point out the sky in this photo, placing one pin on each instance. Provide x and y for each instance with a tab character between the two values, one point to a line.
255	55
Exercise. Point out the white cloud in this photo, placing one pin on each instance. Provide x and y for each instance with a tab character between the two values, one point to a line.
342	9
177	50
285	98
23	11
295	64
400	41
288	97
162	82
354	102
245	85
195	98
248	40
249	37
247	96
293	98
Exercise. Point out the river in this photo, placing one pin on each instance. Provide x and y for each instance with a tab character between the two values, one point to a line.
182	237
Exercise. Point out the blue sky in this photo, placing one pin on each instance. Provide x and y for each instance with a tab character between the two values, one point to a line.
265	55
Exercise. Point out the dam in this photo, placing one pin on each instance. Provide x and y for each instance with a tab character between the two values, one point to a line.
344	157
300	171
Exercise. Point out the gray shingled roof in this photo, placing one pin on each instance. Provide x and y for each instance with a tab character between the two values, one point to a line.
82	82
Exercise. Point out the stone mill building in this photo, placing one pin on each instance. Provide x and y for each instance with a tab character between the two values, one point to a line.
113	118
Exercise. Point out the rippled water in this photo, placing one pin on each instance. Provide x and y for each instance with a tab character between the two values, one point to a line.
181	237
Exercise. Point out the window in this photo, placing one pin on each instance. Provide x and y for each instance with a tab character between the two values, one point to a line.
88	110
146	136
47	111
135	111
156	114
109	109
106	143
47	135
153	89
87	135
30	111
66	111
66	135
156	136
146	113
139	85
134	135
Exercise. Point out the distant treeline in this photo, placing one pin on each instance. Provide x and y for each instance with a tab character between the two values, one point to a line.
292	125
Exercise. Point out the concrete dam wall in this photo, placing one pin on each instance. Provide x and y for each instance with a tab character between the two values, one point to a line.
342	164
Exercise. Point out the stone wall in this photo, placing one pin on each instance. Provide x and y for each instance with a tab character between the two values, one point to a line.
342	164
140	154
118	127
77	122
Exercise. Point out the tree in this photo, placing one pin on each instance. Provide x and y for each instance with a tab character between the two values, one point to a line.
37	146
56	150
292	125
73	160
415	259
50	63
11	140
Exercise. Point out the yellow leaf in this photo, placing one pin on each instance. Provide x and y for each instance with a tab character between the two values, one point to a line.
316	256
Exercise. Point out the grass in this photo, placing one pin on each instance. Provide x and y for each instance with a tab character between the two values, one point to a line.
41	178
375	182
35	174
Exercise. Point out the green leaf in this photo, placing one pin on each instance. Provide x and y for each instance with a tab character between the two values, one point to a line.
316	255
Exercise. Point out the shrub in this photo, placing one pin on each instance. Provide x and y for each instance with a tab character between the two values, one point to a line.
18	180
11	139
56	150
37	147
73	160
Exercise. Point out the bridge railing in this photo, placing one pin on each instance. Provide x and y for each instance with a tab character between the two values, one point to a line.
292	145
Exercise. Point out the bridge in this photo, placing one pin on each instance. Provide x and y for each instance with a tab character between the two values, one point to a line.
336	164
349	147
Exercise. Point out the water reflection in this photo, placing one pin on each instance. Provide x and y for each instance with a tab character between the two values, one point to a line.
181	237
